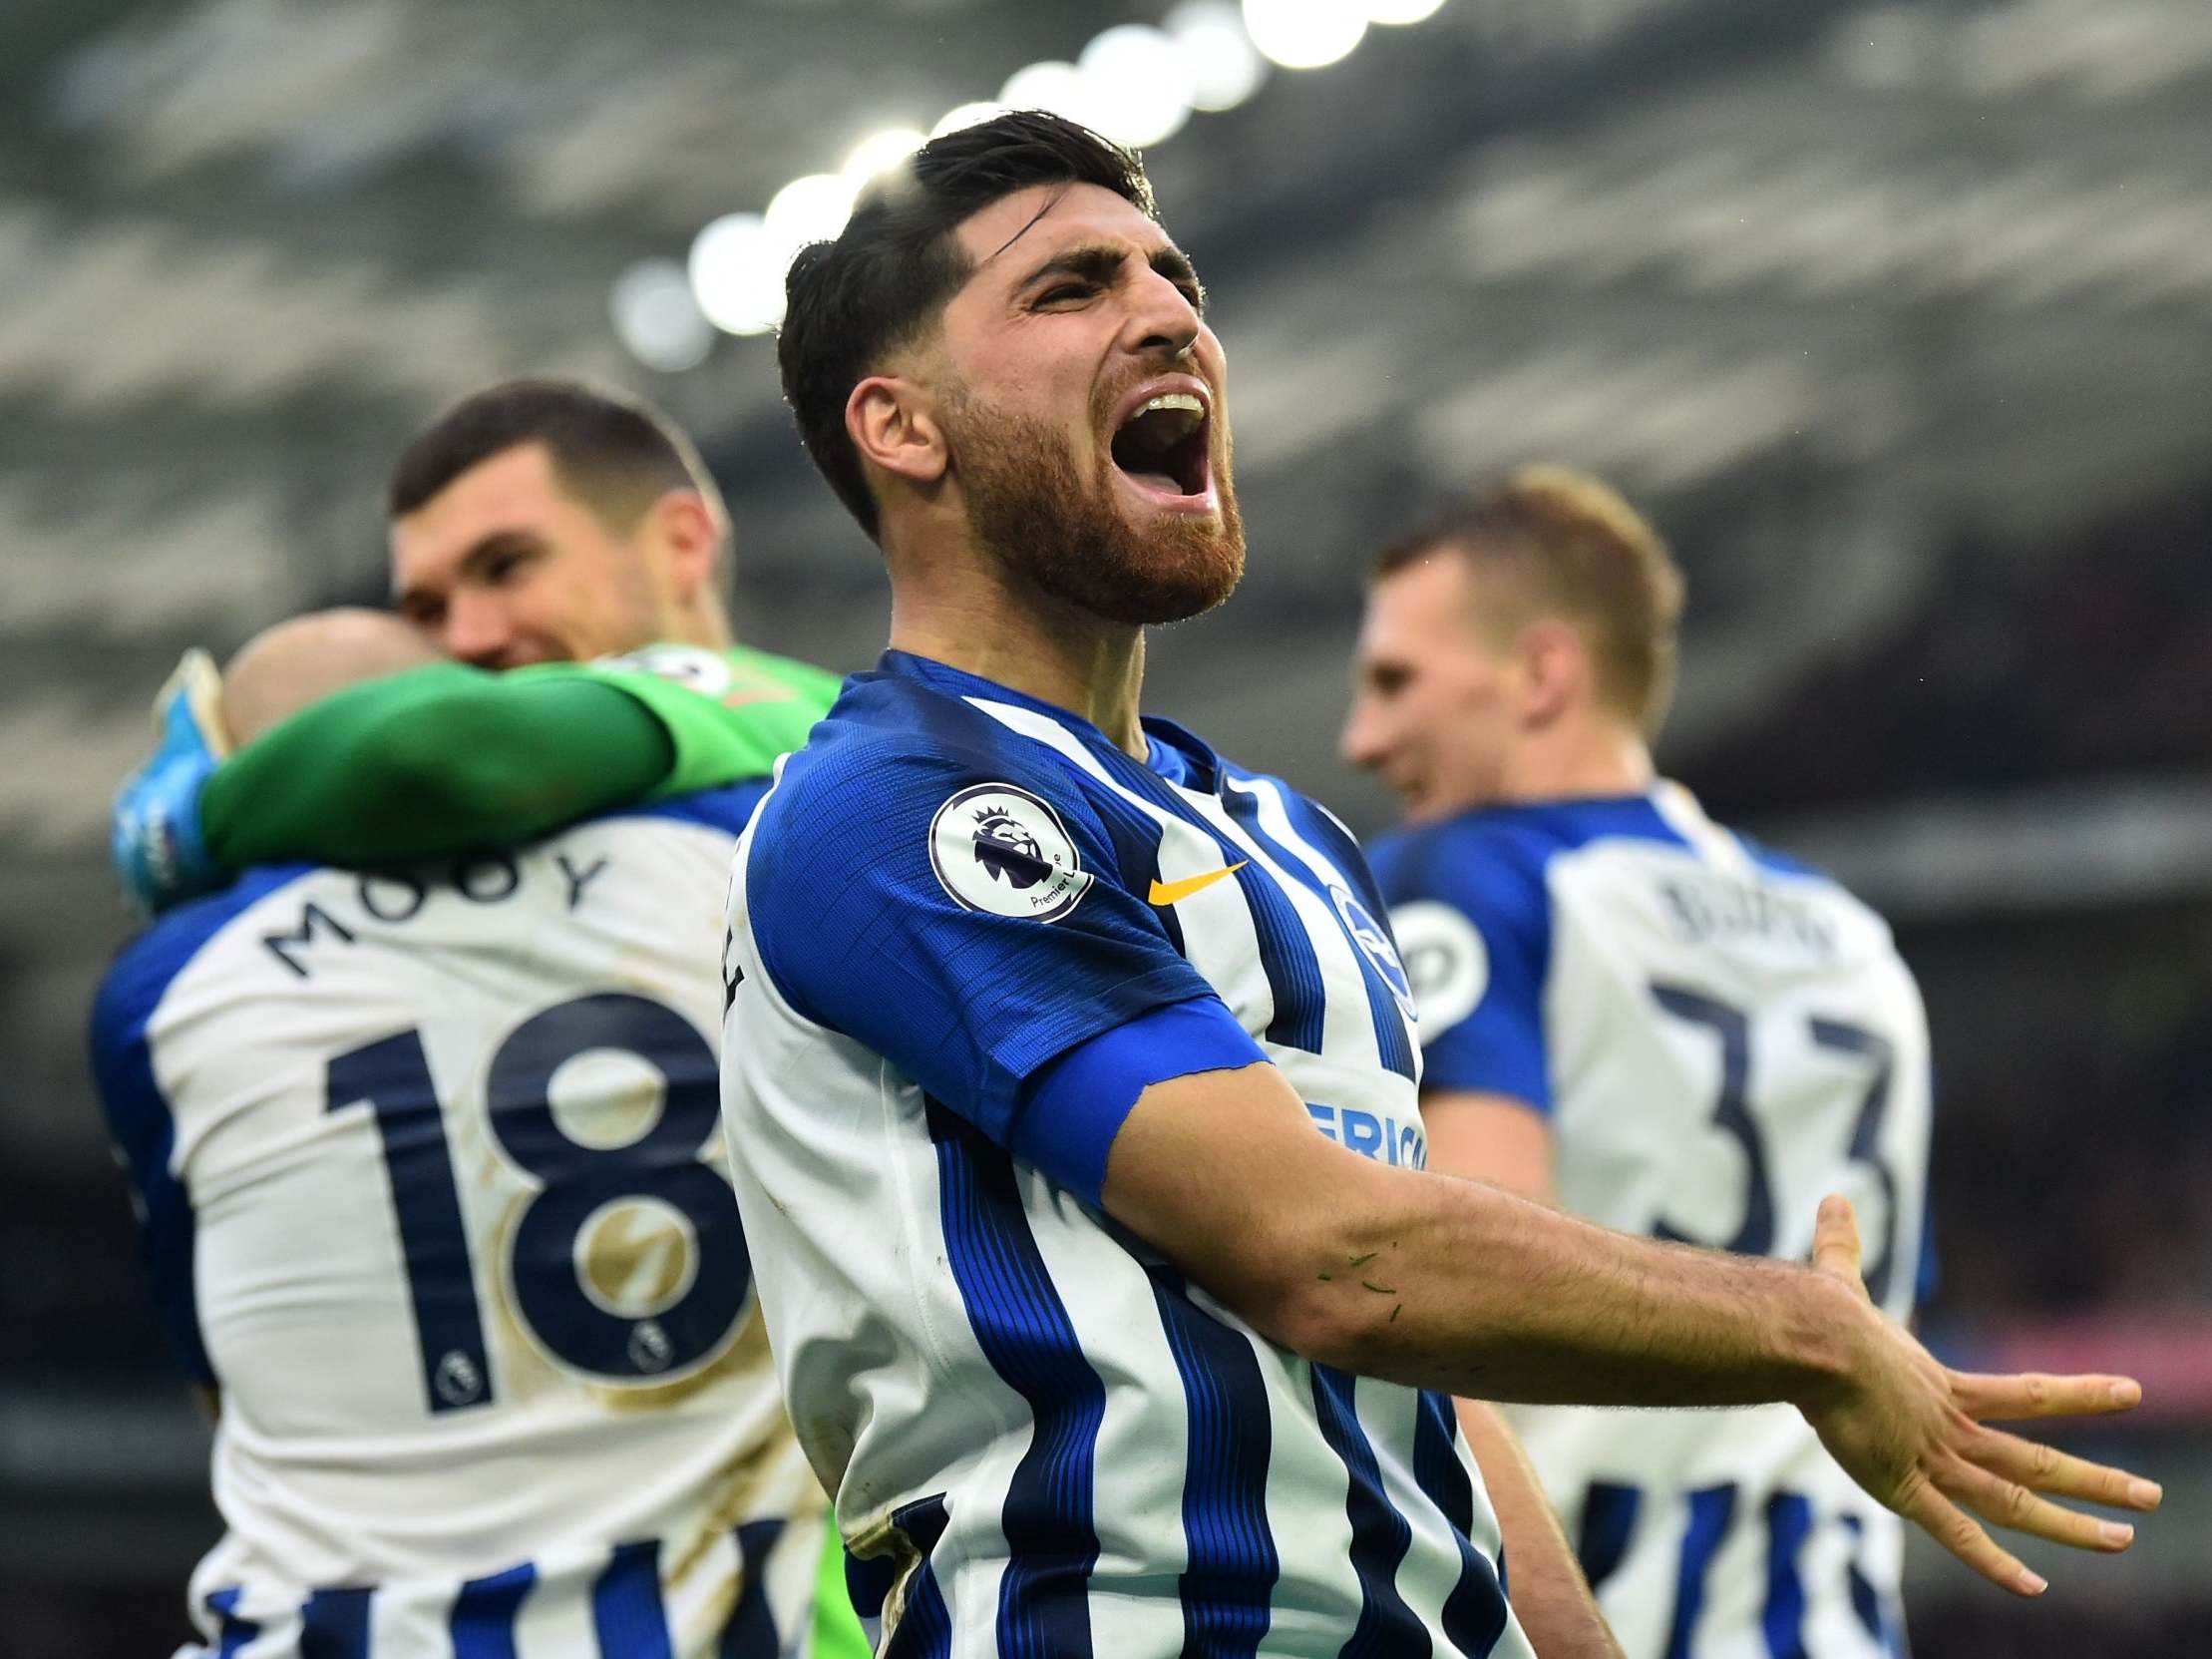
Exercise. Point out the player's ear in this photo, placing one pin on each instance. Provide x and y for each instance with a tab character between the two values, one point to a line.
693	532
1554	670
892	423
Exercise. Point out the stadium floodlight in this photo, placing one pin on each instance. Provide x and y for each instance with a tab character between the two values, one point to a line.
658	320
1139	84
811	209
1305	34
1052	85
1135	84
1224	67
1402	11
880	152
966	115
736	272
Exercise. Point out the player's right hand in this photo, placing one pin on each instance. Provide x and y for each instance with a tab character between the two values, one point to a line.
154	833
1913	1433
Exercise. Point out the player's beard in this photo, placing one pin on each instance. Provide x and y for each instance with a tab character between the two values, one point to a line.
1031	508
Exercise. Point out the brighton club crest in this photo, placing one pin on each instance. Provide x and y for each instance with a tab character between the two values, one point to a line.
999	849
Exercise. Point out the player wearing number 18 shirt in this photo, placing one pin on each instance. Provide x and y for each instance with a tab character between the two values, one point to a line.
432	1177
1659	1024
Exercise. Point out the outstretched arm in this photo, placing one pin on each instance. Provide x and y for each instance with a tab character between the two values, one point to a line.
1459	1286
435	761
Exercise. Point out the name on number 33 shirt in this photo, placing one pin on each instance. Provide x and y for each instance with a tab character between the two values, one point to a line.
966	931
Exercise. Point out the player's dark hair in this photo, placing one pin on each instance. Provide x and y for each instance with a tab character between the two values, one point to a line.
616	454
891	268
1562	542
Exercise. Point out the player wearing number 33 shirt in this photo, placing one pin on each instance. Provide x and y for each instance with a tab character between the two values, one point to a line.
1656	1023
433	1182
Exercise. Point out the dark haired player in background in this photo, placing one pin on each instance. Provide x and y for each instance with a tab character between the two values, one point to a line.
533	522
1070	1076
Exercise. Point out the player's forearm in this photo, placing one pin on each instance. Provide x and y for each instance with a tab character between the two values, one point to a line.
1457	1285
1462	1286
1551	1597
436	761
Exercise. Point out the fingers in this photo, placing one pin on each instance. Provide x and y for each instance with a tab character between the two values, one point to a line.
1836	1239
2044	1468
1956	1530
2012	1504
2036	1394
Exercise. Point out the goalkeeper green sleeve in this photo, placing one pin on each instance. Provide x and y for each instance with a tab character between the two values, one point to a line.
437	759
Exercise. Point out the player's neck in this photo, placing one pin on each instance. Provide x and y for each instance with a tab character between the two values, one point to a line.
704	624
1578	761
972	619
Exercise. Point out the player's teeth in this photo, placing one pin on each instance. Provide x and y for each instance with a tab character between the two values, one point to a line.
1173	400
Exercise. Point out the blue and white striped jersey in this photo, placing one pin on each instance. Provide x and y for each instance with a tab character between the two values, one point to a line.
433	1196
1718	1038
1043	1440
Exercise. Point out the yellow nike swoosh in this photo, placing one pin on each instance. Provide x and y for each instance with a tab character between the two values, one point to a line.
1170	891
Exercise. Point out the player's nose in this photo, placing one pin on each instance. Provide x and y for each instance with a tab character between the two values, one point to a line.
476	632
1162	319
1360	742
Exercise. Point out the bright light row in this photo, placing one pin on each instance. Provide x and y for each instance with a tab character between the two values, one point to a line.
1136	84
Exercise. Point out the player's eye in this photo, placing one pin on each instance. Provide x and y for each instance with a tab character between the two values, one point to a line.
1061	291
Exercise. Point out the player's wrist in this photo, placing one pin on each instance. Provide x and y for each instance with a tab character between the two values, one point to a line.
1821	1341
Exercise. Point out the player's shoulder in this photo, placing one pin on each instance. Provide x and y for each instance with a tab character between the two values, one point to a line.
725	808
736	676
894	741
1506	849
1773	861
152	958
1813	884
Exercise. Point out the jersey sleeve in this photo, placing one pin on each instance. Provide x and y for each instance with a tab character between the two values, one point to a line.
970	925
728	715
1473	925
437	759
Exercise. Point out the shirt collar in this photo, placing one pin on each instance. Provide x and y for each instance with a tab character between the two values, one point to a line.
1173	752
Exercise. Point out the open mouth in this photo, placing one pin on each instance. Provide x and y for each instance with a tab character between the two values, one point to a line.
1162	446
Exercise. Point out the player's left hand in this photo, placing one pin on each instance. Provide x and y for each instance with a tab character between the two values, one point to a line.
154	833
1913	1433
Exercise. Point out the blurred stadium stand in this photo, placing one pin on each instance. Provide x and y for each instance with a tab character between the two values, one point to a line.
1899	316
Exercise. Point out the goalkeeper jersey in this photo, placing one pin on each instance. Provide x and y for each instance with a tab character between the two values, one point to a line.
729	713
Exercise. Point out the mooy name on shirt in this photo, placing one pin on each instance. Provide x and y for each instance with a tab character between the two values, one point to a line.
393	898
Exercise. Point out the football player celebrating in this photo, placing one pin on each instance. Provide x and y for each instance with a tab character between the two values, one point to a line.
1070	1075
1635	1013
532	522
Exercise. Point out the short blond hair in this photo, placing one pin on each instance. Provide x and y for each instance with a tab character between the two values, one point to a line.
1562	543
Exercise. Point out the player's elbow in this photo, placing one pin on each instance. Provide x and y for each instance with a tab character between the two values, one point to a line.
1324	1291
1324	1322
